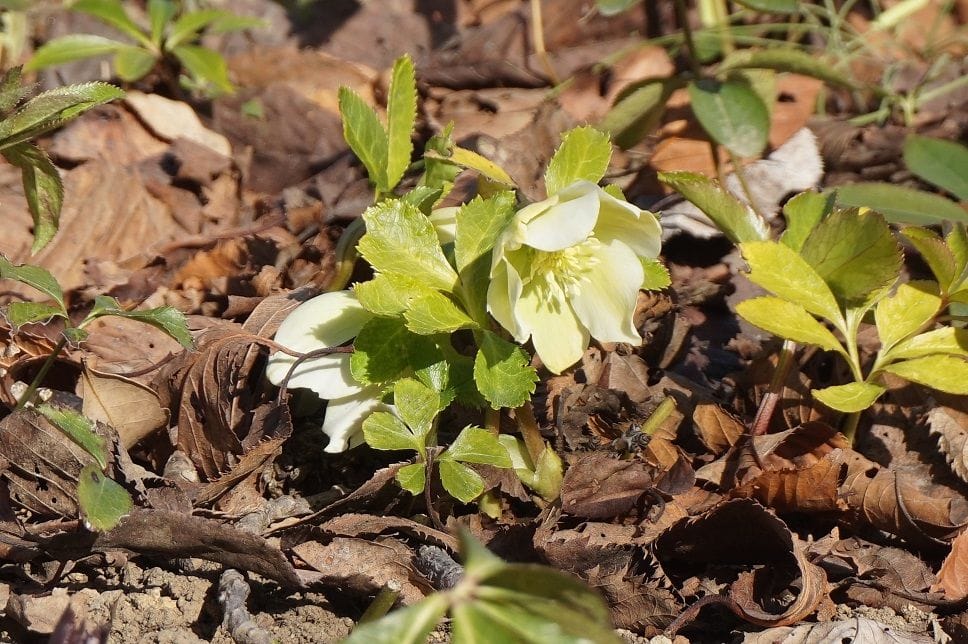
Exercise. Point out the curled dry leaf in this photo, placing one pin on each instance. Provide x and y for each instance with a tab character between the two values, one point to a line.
856	629
131	408
718	429
950	423
953	575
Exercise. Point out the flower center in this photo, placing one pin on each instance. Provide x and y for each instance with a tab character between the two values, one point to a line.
568	267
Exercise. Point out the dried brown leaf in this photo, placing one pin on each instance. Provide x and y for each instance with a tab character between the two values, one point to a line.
855	629
600	486
950	423
953	575
718	429
131	408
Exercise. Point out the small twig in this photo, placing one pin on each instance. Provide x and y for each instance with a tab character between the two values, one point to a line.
428	498
768	405
233	591
284	387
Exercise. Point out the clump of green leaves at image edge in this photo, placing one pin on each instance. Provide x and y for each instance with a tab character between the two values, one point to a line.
169	34
103	501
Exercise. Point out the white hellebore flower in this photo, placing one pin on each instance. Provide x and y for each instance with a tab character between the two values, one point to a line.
328	320
567	268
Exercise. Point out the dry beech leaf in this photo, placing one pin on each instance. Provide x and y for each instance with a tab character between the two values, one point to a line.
859	630
950	423
599	486
953	575
718	429
131	408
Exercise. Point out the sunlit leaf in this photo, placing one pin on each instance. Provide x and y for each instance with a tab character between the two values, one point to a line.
20	313
389	294
787	320
385	350
401	116
935	253
160	13
460	481
66	49
900	204
479	223
112	12
910	309
583	155
734	218
35	276
942	372
417	404
802	213
656	275
79	429
947	340
412	478
166	318
849	398
206	66
383	430
132	63
433	312
103	502
733	115
939	162
365	135
638	111
476	445
502	372
43	189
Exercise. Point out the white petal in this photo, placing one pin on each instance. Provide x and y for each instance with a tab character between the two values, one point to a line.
558	337
327	320
445	223
567	223
638	229
502	296
605	302
329	376
344	418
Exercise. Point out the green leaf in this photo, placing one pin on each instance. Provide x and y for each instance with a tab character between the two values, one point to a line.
946	340
205	66
165	318
484	166
856	255
476	445
385	350
638	110
187	27
67	49
112	12
479	223
737	221
785	59
389	295
901	205
79	429
103	502
656	275
939	162
401	240
11	91
383	430
160	13
787	320
583	155
21	313
460	481
944	373
35	276
133	63
802	213
365	135
43	189
50	109
772	6
502	372
782	271
412	478
433	313
417	404
614	7
472	624
849	398
732	114
401	117
411	625
911	308
936	254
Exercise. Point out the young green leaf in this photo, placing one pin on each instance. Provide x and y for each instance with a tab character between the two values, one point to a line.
939	162
50	109
165	318
482	165
849	398
434	313
401	117
785	59
780	270
732	114
413	477
188	25
133	63
544	478
638	110
417	404
901	205
400	240
583	155
160	13
410	625
20	313
910	309
67	49
103	502
737	221
946	340
802	213
656	275
942	372
476	445
365	135
935	253
479	222
389	295
502	372
205	66
787	320
112	12
382	430
79	429
856	254
35	276
43	189
11	91
385	350
460	481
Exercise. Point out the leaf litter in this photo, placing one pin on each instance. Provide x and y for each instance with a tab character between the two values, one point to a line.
233	218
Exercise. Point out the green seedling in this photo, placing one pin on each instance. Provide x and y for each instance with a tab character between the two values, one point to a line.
170	38
22	122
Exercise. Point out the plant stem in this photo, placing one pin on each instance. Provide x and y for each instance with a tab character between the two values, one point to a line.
682	18
768	405
382	603
741	176
537	37
492	421
530	431
346	254
39	378
850	426
659	416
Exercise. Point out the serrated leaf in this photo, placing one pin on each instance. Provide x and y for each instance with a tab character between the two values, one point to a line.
35	276
50	109
79	429
911	308
856	254
412	478
935	253
802	213
21	313
656	275
946	340
411	625
460	481
112	12
785	59
103	502
476	445
942	372
388	295
939	162
417	404
584	154
205	66
780	270
479	223
849	398
787	320
502	373
133	63
423	197
401	240
734	218
43	190
365	135
383	430
401	117
433	313
160	13
165	318
638	110
732	114
899	204
11	91
385	350
67	49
